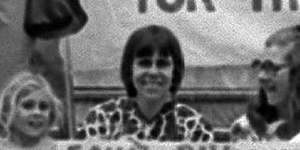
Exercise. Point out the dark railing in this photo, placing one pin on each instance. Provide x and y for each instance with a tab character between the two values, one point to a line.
205	94
221	105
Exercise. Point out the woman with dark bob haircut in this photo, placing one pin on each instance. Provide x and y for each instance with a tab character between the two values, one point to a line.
154	38
152	69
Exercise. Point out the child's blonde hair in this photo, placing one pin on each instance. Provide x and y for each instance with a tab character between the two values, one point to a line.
22	85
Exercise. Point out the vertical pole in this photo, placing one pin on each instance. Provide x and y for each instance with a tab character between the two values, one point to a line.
277	4
293	5
69	88
257	5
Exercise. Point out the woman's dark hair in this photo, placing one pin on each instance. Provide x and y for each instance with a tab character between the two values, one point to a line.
150	39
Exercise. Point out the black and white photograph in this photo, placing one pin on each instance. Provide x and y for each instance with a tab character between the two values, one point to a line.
149	74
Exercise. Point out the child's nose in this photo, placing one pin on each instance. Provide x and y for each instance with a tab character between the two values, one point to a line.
37	110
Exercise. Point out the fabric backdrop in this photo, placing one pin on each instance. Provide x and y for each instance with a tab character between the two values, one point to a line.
233	33
213	34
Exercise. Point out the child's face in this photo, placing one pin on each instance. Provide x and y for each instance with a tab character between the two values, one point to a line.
32	114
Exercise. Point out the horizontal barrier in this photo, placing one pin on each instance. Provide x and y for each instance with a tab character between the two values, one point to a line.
135	145
85	92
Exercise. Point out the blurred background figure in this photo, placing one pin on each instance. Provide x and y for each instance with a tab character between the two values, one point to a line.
28	110
275	113
45	21
30	31
242	128
152	69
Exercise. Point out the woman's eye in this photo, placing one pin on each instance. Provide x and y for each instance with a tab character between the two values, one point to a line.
145	63
162	63
28	104
44	106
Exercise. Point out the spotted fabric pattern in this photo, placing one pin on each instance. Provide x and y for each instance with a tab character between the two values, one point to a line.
118	118
241	129
263	131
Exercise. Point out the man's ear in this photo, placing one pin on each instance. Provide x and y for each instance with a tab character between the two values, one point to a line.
255	63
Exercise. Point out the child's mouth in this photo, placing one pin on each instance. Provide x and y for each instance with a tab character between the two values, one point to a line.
35	124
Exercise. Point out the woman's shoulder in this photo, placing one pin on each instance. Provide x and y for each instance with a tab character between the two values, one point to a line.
110	104
189	113
185	111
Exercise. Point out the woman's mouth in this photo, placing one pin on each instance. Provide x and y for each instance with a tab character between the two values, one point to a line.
151	83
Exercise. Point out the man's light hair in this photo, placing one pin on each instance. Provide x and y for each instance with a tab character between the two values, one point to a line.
284	36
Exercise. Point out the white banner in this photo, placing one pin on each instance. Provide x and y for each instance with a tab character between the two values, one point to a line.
123	145
211	32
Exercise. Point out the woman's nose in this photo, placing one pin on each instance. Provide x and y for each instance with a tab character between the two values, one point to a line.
153	69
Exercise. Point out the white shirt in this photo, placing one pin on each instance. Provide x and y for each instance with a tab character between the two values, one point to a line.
295	139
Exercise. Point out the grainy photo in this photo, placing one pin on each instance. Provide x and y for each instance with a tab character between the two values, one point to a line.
149	74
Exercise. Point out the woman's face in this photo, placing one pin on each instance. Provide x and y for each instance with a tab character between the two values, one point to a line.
152	75
32	114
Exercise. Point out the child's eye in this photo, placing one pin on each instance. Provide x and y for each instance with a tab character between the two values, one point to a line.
29	104
44	106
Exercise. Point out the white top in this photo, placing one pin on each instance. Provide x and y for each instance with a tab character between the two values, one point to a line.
295	139
45	144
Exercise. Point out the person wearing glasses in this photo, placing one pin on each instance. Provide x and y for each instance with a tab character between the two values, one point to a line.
152	69
275	114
